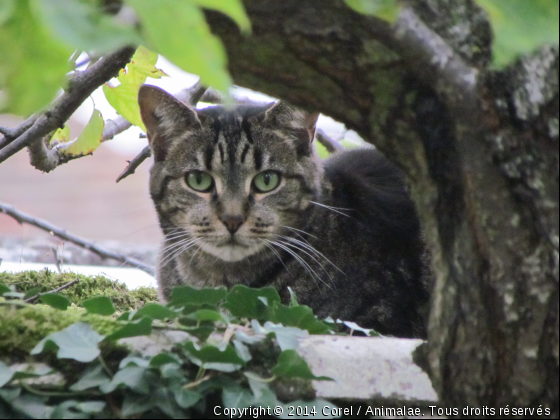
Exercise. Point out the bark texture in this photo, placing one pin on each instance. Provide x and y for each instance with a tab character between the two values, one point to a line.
480	148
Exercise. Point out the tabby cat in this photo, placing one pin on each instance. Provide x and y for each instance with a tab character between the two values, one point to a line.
242	199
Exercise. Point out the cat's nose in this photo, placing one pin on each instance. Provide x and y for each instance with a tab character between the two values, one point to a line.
232	222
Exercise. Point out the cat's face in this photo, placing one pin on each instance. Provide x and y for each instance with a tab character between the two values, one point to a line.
227	181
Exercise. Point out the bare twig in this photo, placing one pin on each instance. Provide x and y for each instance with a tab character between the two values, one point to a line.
80	86
135	163
62	234
58	289
332	145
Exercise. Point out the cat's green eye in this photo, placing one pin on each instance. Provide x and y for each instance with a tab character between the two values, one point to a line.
266	181
199	181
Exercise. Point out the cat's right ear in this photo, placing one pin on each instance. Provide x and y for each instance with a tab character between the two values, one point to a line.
165	118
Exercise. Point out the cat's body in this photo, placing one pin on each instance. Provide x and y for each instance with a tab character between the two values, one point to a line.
242	199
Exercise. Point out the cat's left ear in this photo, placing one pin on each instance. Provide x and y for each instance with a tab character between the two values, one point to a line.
301	122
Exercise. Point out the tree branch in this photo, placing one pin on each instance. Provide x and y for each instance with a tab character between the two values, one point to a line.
62	234
58	289
80	86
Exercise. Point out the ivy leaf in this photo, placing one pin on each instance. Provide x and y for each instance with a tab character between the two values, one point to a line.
84	26
100	305
32	406
91	407
6	374
387	10
300	316
207	315
93	377
134	404
163	359
78	341
156	311
133	329
246	302
134	377
185	397
211	357
88	140
33	65
196	50
56	300
291	365
184	295
521	26
134	361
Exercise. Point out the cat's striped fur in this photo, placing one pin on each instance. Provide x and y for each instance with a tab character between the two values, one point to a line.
343	233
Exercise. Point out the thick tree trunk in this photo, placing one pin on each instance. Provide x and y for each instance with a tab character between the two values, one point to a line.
480	149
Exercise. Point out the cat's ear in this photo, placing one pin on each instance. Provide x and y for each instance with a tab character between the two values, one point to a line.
165	117
302	123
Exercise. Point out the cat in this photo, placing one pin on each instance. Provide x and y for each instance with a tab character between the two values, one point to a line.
242	198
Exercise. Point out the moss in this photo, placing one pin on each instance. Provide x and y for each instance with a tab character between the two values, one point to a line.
22	326
123	299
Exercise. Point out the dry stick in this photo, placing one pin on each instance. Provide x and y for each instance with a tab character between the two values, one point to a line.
58	289
62	234
80	87
191	95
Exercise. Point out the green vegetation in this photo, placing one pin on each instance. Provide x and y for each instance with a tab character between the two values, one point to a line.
235	349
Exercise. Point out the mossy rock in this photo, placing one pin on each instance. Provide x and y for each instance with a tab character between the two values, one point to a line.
87	286
22	325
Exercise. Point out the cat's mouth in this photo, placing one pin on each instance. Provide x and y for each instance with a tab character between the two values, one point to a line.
233	249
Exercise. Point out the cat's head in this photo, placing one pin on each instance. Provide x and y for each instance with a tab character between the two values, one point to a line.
229	178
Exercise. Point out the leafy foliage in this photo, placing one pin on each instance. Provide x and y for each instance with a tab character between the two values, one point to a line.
233	349
37	37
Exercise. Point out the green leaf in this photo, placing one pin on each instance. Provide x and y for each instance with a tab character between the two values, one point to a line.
93	377
88	140
211	357
7	9
134	377
82	25
4	289
134	361
207	315
291	365
194	48
100	305
184	295
6	374
520	26
134	404
233	8
246	302
133	329
91	407
384	9
287	337
62	135
156	311
185	397
124	98
297	316
31	406
78	341
56	300
163	359
33	65
32	292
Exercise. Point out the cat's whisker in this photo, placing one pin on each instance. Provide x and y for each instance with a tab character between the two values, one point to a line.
298	230
303	263
309	247
275	252
171	251
330	208
299	248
